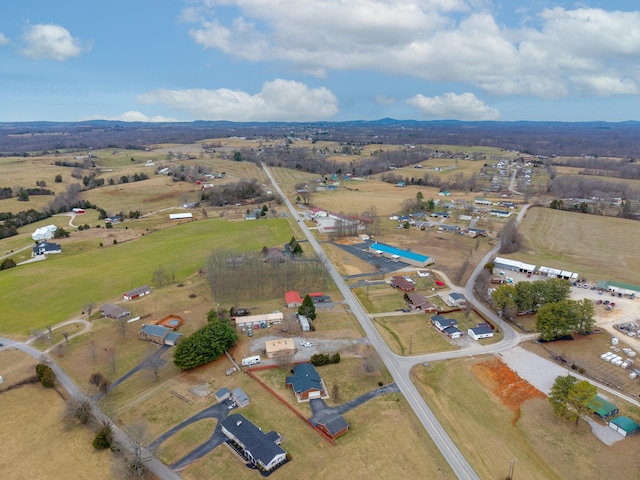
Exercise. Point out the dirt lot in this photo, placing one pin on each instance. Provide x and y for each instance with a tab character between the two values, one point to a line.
506	384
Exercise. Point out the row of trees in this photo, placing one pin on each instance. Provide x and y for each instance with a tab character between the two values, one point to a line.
235	277
237	192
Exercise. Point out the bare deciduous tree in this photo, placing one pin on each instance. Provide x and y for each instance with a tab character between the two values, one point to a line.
79	409
88	308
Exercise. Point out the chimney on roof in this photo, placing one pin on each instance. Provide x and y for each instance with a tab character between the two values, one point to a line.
238	423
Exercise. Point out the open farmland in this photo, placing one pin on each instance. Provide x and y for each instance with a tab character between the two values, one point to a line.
104	273
31	418
582	243
477	409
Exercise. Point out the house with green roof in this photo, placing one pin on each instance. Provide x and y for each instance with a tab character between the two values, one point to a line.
603	409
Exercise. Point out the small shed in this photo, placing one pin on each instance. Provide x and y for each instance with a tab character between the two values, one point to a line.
241	398
625	426
332	424
136	293
222	394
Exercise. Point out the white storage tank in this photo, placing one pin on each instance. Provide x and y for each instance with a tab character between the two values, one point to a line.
624	364
633	375
614	341
631	353
603	356
618	362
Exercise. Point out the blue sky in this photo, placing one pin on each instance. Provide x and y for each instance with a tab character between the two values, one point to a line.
311	60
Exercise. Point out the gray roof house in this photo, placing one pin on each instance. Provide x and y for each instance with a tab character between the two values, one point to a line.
260	449
45	248
159	334
113	311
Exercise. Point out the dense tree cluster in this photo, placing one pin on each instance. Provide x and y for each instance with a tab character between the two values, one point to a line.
46	375
235	193
205	344
570	398
558	319
530	296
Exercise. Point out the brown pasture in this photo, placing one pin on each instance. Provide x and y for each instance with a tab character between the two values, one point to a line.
581	243
474	413
31	418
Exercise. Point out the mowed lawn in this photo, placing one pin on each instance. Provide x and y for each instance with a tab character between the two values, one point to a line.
47	292
596	247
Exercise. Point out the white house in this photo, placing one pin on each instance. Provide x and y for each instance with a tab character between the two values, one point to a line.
44	233
456	299
481	331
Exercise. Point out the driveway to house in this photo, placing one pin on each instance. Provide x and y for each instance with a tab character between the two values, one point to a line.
146	363
319	407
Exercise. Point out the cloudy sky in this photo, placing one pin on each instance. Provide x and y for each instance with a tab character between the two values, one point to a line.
309	60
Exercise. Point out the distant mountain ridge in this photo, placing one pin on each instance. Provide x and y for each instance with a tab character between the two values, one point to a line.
593	138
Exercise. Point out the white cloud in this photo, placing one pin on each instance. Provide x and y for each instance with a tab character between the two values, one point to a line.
384	100
279	100
451	106
3	39
584	50
50	42
133	116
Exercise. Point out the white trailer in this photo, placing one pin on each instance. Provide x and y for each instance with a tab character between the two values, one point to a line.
248	361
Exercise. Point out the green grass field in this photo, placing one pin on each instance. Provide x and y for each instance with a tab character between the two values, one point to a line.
48	292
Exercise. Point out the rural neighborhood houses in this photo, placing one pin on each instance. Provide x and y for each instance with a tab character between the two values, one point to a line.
331	424
402	284
481	331
262	450
136	293
46	248
114	311
306	382
44	233
159	335
448	326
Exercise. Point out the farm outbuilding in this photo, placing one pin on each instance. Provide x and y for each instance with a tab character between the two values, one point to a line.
283	347
222	394
332	424
241	398
625	426
514	265
602	408
136	293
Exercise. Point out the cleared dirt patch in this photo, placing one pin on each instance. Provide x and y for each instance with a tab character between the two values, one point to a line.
506	384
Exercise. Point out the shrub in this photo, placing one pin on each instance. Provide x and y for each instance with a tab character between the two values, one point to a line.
48	378
103	439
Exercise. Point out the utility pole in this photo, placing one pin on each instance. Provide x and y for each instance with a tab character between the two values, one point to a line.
512	464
